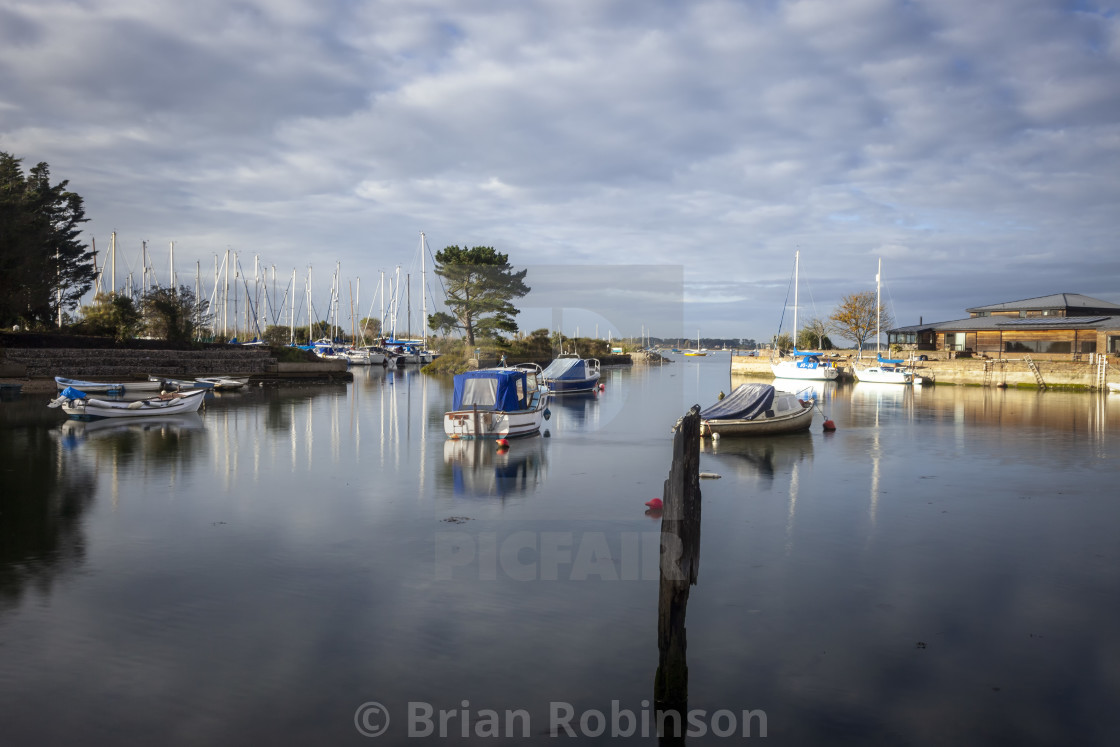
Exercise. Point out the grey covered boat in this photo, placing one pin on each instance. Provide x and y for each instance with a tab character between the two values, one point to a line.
756	410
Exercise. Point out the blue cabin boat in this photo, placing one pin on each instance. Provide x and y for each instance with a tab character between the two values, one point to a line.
570	373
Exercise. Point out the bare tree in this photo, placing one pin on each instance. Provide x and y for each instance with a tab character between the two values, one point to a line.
856	318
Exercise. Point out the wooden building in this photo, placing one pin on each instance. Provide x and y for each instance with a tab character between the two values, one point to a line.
1062	326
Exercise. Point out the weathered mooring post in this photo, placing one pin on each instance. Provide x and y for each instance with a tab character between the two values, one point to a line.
680	566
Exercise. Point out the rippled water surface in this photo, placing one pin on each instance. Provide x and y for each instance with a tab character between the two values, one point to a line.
943	569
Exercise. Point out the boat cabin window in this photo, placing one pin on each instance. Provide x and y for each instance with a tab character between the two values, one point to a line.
520	384
480	392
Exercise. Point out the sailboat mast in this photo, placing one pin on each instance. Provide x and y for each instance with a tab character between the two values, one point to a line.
113	258
423	289
878	274
796	268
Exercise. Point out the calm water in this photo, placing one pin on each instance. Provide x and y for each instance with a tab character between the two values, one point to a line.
943	569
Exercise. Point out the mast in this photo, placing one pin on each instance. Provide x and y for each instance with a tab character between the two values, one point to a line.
197	297
113	256
292	311
796	267
174	285
878	273
225	301
423	290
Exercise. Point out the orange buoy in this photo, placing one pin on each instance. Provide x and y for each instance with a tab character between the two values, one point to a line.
829	425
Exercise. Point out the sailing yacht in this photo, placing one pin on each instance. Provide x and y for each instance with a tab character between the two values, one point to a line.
803	364
887	370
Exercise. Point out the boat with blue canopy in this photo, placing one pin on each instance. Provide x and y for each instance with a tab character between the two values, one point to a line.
569	373
496	402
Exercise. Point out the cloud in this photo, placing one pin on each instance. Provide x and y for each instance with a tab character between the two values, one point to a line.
718	136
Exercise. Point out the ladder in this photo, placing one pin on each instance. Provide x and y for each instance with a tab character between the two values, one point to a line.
1035	371
989	367
1102	372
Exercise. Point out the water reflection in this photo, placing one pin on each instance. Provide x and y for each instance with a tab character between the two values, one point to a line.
761	457
479	468
42	505
577	411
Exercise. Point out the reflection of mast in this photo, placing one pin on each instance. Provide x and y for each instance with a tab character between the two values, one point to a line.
876	453
794	486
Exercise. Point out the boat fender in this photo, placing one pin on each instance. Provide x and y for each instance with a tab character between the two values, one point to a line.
547	413
829	425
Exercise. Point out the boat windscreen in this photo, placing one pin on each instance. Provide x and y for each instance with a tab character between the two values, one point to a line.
480	393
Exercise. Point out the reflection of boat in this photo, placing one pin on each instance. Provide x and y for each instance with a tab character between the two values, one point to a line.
570	373
1114	387
477	468
111	388
81	429
224	382
756	410
495	402
80	407
888	371
803	364
764	456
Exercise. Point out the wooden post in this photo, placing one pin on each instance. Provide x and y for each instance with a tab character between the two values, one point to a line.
680	566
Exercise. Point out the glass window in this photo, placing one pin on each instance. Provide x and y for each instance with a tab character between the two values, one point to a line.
1038	346
1088	346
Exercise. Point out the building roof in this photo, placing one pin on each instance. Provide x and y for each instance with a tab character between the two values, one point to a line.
1008	323
1053	301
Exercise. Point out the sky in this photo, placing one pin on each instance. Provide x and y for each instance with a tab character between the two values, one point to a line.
656	165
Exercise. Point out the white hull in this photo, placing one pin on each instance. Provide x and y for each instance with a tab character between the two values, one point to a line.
492	423
881	375
790	370
97	409
113	388
1114	387
224	382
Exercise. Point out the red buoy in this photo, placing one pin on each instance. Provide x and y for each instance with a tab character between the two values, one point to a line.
654	504
602	387
829	425
503	443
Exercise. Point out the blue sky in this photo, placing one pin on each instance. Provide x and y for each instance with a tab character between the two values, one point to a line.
974	147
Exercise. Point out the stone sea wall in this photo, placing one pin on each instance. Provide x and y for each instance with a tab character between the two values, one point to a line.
970	371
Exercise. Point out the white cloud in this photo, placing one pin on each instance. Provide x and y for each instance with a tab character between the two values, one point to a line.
717	136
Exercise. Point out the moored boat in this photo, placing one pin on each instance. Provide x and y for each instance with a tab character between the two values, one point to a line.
804	365
756	410
224	382
169	384
116	388
889	371
569	373
496	402
80	406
